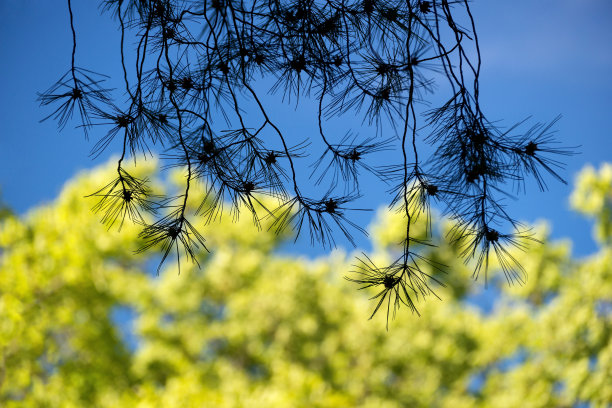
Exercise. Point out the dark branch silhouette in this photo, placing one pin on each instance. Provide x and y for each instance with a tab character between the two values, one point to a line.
193	92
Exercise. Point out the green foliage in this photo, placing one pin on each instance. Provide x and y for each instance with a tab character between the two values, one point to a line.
593	197
253	328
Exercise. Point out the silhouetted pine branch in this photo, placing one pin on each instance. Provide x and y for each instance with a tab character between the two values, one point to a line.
193	91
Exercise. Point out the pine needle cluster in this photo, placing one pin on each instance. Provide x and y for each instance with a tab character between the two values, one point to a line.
197	64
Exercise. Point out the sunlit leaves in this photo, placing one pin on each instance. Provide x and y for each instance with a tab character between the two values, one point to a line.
265	329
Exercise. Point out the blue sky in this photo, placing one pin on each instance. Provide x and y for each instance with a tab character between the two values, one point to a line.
540	58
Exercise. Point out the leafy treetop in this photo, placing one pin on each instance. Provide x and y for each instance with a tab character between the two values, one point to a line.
264	330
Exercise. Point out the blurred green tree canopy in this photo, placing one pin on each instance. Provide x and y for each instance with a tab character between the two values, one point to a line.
255	328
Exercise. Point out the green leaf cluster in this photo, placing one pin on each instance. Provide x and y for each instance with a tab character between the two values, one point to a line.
256	328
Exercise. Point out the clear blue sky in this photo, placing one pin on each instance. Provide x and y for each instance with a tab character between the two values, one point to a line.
540	58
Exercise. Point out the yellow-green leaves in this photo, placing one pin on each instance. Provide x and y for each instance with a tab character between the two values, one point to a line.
593	197
253	328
